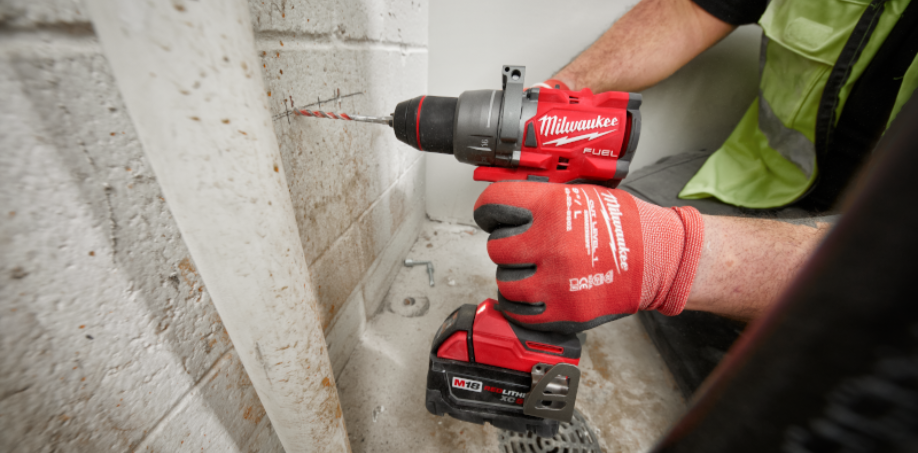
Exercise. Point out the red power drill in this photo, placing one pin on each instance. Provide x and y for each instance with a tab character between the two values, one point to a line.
535	134
483	368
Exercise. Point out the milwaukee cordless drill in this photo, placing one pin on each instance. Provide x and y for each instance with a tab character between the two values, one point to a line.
536	134
483	368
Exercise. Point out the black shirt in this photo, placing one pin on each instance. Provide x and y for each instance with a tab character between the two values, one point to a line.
734	12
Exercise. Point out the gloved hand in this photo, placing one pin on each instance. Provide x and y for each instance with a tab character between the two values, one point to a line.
571	257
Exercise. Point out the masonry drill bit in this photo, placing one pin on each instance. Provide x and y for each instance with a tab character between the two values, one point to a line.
387	120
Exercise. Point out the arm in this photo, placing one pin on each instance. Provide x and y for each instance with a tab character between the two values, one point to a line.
746	264
645	46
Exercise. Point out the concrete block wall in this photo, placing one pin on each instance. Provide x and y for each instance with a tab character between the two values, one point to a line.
358	193
108	337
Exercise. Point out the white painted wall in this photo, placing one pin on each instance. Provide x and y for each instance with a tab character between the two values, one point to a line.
694	109
109	339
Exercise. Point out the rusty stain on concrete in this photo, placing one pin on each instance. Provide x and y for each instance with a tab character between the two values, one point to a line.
188	271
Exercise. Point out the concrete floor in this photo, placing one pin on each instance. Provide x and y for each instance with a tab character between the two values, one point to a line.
626	393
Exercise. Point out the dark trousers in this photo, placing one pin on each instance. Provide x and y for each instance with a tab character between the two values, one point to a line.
693	343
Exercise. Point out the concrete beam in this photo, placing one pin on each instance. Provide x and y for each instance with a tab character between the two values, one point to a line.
188	74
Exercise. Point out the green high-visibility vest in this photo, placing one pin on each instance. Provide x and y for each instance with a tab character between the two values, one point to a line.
770	160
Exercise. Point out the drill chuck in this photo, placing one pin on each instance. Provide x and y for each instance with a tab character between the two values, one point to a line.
426	123
480	127
467	127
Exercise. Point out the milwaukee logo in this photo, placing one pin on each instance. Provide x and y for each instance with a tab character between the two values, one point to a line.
467	384
612	210
552	125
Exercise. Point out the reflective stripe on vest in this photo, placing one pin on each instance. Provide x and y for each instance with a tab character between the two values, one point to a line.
790	143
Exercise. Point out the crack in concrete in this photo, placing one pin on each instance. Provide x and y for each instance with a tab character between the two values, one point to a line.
113	224
271	40
14	392
70	29
261	360
55	40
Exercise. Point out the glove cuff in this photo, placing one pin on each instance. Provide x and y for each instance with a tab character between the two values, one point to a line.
678	293
673	239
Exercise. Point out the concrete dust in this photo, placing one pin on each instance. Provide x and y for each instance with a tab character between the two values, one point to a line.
626	392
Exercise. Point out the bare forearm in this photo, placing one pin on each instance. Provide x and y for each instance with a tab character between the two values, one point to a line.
747	263
645	46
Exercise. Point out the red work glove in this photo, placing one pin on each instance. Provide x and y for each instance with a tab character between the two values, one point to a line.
571	257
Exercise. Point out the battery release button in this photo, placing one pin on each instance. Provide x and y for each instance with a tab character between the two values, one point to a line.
456	347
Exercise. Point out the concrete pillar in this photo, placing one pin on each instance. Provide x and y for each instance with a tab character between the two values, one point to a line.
188	73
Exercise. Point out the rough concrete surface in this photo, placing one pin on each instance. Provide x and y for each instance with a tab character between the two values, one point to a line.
189	77
398	22
31	13
109	336
626	391
357	192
